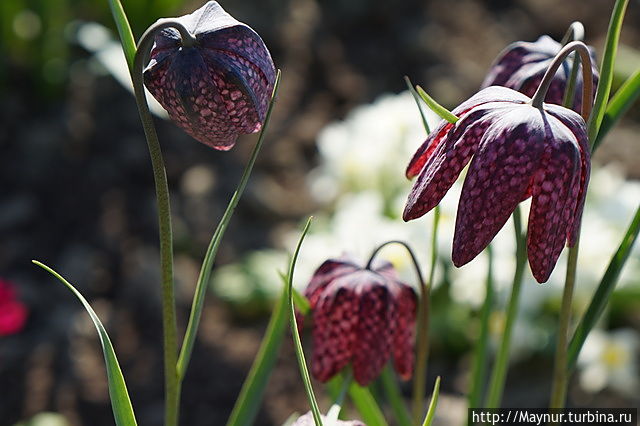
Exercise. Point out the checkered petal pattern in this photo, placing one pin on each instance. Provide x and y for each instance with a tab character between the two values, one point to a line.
219	88
516	151
362	317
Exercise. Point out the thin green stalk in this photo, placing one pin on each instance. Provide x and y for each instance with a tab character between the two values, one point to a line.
499	373
172	387
207	263
431	412
606	68
416	98
304	372
480	354
248	402
124	30
394	396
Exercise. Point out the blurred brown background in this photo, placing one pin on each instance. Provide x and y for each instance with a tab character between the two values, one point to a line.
76	187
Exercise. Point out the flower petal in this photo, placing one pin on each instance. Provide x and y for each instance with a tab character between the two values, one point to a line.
334	329
324	275
406	311
374	329
554	199
497	180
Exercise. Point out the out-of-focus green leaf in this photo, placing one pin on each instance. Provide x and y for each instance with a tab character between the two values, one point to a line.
394	396
366	405
120	402
604	290
433	404
619	105
436	107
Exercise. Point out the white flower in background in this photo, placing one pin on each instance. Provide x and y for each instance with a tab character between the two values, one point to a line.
610	360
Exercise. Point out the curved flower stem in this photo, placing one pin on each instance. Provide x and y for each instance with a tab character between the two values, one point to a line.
172	387
212	250
498	375
575	32
587	77
422	340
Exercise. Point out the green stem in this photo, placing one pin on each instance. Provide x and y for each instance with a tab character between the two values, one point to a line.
172	387
302	363
212	250
480	355
394	396
431	412
498	376
560	376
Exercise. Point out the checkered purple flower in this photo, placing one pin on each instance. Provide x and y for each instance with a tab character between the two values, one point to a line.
218	88
363	317
519	151
521	66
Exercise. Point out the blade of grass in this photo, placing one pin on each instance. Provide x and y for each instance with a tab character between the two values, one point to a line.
124	30
394	396
416	98
366	405
436	107
606	68
604	290
120	401
250	398
480	355
434	403
302	363
618	106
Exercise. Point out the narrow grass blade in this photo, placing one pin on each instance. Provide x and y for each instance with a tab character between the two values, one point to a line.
604	290
302	363
366	405
394	396
416	98
480	356
124	30
302	304
431	413
248	403
436	107
606	68
120	402
618	106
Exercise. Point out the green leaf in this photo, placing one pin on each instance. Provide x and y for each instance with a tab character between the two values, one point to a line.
606	68
619	105
248	403
394	396
304	372
436	107
434	403
604	290
366	405
120	402
302	303
416	98
124	30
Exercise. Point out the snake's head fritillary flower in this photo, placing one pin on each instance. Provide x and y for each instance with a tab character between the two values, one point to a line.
13	313
307	420
363	317
521	66
519	151
220	86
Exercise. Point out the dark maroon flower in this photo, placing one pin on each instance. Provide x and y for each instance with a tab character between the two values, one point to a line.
363	317
521	66
519	151
13	313
307	420
218	88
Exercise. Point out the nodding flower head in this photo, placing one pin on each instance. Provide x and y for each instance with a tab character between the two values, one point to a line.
360	316
217	85
521	66
519	151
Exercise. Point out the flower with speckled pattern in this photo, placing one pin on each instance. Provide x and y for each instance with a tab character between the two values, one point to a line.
218	88
361	316
519	151
521	66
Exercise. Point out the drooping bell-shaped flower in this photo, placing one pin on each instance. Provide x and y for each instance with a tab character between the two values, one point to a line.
217	84
360	316
518	150
521	66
